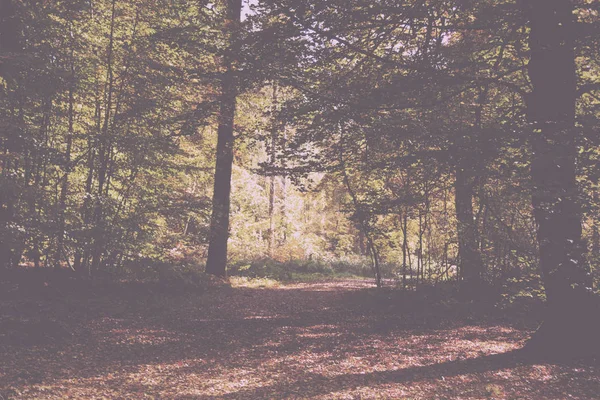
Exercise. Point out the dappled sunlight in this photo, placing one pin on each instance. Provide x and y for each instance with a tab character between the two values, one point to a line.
141	336
326	286
301	340
275	199
244	282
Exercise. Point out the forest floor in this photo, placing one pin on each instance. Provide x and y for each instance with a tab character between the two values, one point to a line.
324	340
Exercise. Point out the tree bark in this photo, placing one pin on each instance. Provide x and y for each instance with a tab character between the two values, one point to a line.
272	155
595	231
64	189
81	261
420	274
9	43
99	243
404	245
570	326
283	199
470	263
216	262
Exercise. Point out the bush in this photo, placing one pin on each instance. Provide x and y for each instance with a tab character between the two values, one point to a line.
523	294
169	275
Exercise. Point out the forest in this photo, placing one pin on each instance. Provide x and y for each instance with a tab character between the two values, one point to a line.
338	199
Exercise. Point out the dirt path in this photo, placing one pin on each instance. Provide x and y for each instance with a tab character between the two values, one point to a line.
320	340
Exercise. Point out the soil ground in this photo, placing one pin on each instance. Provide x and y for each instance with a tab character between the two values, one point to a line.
323	340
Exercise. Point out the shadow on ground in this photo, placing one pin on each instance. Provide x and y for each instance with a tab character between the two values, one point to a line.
318	340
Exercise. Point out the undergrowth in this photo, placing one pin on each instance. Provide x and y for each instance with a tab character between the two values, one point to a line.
304	270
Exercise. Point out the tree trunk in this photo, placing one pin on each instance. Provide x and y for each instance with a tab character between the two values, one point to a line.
64	189
404	245
283	199
363	223
427	229
80	263
99	245
595	231
216	262
420	252
272	155
570	326
470	263
360	242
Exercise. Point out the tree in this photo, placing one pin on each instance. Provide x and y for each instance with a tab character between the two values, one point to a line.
216	262
571	323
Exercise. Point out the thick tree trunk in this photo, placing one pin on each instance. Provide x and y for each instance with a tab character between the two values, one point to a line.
470	263
216	262
571	324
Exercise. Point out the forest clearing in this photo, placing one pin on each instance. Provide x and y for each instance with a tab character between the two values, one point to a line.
299	199
325	340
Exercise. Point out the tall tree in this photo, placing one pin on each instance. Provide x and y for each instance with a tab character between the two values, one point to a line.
272	156
470	264
571	324
216	262
9	45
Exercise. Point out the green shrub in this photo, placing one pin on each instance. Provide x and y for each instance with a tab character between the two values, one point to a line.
168	275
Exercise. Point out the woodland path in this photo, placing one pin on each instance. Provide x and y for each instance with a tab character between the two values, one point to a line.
315	340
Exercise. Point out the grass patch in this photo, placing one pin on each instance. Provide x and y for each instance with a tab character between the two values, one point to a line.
254	283
318	277
301	270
